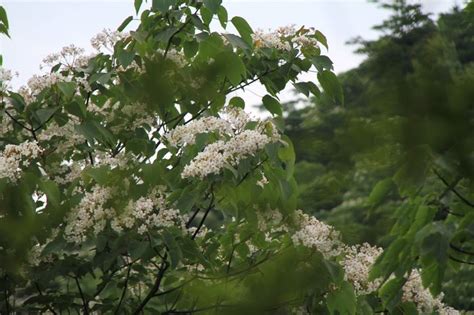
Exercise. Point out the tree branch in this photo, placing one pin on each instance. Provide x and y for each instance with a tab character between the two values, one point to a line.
181	28
461	261
48	307
461	250
156	286
211	204
84	301
18	122
124	290
469	203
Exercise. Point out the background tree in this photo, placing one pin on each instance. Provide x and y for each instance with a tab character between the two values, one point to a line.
401	147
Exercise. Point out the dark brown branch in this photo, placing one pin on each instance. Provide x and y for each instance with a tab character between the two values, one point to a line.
124	290
83	298
188	224
48	307
43	124
230	259
461	261
156	286
18	122
253	169
461	250
211	205
469	203
446	209
180	29
7	303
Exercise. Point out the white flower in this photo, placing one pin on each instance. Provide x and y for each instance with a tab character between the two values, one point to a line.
5	77
149	212
107	39
318	235
357	262
89	213
414	291
263	181
14	157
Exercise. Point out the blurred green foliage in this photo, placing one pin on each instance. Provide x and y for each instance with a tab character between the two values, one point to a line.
403	139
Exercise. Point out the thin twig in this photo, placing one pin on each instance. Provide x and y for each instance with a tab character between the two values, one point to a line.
469	203
48	307
461	250
461	261
211	205
188	20
156	286
84	301
124	290
17	122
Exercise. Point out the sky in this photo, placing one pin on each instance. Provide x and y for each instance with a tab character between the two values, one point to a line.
40	27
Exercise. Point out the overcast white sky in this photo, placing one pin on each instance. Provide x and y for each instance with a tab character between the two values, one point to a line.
40	27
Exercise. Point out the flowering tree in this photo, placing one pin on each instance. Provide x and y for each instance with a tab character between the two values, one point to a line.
133	180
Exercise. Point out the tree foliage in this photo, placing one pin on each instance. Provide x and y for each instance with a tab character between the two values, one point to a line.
399	153
133	181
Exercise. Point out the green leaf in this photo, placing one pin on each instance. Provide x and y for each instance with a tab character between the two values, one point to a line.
44	114
307	87
213	5
3	17
100	174
232	66
321	38
125	57
4	30
52	192
322	63
391	293
163	5
342	301
206	15
236	41
380	190
125	23
331	85
67	88
137	4
223	16
190	48
272	105
237	101
244	29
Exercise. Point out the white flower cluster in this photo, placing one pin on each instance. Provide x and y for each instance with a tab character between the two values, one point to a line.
90	212
147	213
38	83
14	157
318	235
67	133
113	112
216	156
70	56
235	144
357	262
413	291
6	124
284	38
107	39
186	134
5	77
177	57
273	39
